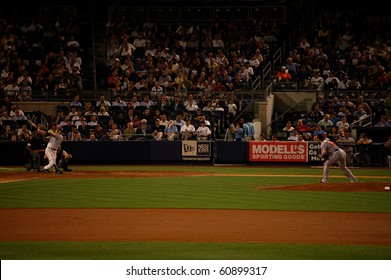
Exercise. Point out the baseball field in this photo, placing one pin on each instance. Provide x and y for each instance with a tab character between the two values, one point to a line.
194	212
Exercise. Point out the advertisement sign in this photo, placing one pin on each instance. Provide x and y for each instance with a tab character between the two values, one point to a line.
314	151
278	151
196	150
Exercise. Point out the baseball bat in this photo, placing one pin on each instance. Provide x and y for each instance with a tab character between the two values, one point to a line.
33	124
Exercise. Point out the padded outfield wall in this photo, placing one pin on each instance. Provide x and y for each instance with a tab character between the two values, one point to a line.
221	152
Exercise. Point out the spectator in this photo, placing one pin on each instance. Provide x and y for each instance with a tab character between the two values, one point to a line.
129	131
76	119
249	130
24	134
126	49
325	121
203	132
232	110
387	151
262	137
383	122
360	114
317	114
119	102
4	117
90	112
387	103
318	130
76	102
347	143
103	112
187	130
283	75
116	135
345	83
144	128
74	81
6	135
293	136
334	134
331	82
301	127
308	136
99	132
205	103
102	102
292	67
317	81
366	107
25	91
146	102
17	113
179	122
84	129
157	130
93	121
239	132
362	157
136	121
171	131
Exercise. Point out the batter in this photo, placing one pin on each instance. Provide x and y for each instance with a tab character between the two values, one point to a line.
55	139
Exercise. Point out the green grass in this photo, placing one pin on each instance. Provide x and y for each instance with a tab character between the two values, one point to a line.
187	251
218	191
214	192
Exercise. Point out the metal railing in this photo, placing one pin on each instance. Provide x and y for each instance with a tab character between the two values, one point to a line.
365	120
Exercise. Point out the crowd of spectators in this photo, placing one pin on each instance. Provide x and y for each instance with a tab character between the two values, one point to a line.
213	57
165	63
342	52
158	71
40	58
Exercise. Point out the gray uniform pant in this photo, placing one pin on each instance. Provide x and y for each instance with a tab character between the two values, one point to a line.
339	156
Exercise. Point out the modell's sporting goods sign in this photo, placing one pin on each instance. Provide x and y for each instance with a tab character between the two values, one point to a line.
280	151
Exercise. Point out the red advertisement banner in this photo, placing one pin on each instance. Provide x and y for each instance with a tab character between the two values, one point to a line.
278	151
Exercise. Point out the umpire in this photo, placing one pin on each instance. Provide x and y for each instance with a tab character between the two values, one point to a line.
34	147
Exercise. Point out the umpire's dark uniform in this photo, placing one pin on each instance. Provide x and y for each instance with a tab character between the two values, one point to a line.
33	148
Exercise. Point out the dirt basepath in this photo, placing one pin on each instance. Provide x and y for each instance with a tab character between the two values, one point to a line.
187	225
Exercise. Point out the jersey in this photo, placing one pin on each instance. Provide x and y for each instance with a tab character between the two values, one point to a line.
249	129
55	141
328	147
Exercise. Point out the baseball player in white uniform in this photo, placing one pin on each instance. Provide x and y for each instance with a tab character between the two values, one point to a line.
55	139
332	154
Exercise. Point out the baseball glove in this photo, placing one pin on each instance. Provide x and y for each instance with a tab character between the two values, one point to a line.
67	155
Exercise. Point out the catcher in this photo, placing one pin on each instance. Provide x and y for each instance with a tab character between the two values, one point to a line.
63	158
332	154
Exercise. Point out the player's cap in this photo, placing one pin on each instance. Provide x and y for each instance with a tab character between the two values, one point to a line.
320	136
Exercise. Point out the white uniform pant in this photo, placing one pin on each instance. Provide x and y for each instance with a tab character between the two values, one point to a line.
51	156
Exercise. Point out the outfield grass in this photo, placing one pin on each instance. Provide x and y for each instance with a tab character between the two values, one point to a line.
220	190
187	251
